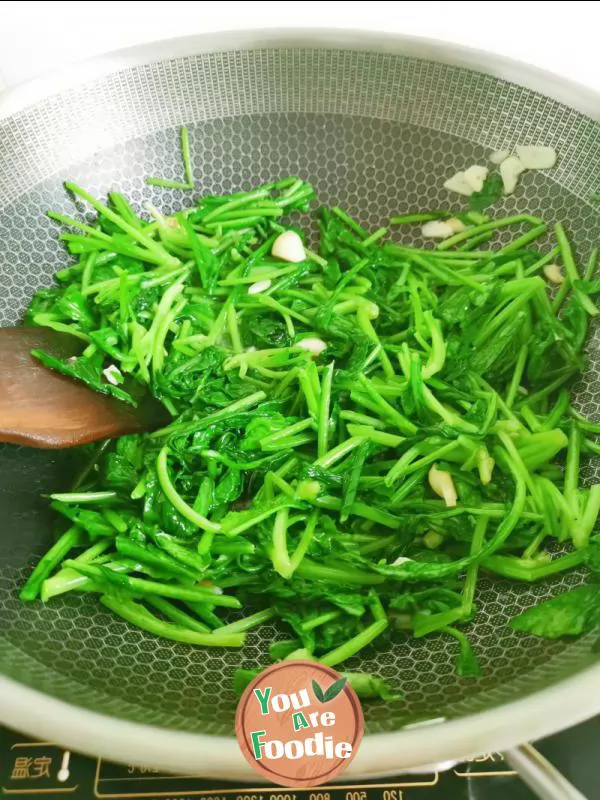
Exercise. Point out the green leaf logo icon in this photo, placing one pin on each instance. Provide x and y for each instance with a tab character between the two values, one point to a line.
318	692
334	689
329	694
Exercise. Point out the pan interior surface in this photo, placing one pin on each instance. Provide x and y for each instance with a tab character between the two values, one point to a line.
377	134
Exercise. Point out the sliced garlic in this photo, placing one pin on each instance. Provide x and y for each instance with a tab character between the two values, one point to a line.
259	286
154	212
456	225
458	183
113	375
485	465
536	157
510	169
442	484
436	229
312	344
498	156
401	560
475	176
288	247
554	274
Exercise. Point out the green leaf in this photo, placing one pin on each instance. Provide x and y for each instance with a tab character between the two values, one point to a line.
335	689
491	192
318	692
592	554
467	665
206	262
230	487
74	306
351	478
590	287
569	614
369	686
85	371
241	679
278	651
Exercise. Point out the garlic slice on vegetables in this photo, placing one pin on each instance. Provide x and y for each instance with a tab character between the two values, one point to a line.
458	183
312	344
456	225
498	156
113	374
288	247
485	465
259	286
536	157
442	484
510	169
554	274
475	176
437	229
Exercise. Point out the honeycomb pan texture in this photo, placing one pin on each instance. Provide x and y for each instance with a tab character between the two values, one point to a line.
377	134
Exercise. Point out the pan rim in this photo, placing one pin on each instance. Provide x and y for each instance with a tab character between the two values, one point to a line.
422	749
539	714
550	84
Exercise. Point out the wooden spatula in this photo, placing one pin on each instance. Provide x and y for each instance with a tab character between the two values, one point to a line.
41	408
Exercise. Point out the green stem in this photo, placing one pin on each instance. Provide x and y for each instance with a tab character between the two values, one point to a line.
583	530
515	381
70	539
354	645
339	452
572	472
175	498
387	410
352	576
141	586
305	541
83	497
323	411
477	543
568	261
177	615
486	227
247	623
531	571
280	555
322	619
135	233
137	615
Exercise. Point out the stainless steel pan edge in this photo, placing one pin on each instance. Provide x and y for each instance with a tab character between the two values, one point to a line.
532	718
565	91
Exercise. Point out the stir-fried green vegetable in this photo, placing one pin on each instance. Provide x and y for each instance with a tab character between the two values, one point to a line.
356	436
